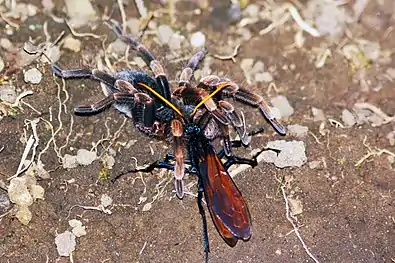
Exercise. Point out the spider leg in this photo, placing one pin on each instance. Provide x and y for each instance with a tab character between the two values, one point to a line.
232	90
179	167
148	58
94	74
237	122
104	103
193	63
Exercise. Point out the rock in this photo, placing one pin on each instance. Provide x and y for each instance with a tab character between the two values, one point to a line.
252	10
298	130
65	243
81	12
176	41
133	25
7	93
348	118
282	103
37	191
267	156
75	223
6	44
72	44
18	192
79	231
246	64
296	206
85	157
164	34
105	200
69	161
264	77
33	76
118	47
198	39
292	153
53	53
318	114
24	215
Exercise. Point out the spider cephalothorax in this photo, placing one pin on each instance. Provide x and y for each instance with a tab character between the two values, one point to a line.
191	116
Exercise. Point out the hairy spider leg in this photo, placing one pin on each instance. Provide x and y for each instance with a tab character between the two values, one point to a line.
148	58
193	63
94	74
179	166
232	90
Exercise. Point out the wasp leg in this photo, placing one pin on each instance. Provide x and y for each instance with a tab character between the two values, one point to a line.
165	164
206	244
148	58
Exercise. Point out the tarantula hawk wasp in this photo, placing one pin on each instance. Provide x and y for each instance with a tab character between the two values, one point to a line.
191	117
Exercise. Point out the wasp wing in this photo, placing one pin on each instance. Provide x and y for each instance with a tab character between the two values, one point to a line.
225	202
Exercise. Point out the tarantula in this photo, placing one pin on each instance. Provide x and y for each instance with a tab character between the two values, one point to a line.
191	117
158	112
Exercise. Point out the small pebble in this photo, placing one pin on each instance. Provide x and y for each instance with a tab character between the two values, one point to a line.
296	206
292	153
7	93
246	64
298	130
176	41
6	44
105	200
18	192
134	26
72	44
33	76
75	223
282	103
81	12
259	67
348	118
252	10
118	47
69	161
198	39
65	243
85	157
264	77
318	114
24	215
164	34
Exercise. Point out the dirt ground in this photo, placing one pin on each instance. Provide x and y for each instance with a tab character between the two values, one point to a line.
348	211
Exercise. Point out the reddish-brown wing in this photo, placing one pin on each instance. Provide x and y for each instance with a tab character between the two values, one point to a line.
227	207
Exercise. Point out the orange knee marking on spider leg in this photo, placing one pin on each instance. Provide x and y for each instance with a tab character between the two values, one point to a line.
157	68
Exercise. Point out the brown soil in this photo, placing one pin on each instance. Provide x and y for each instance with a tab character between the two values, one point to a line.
350	218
